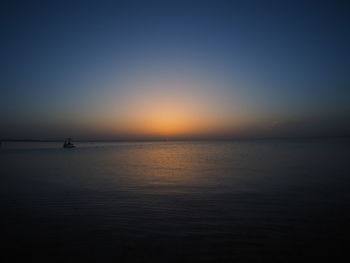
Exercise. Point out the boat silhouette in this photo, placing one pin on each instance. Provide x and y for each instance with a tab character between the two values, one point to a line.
68	143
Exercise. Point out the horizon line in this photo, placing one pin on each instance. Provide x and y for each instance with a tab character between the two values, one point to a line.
180	139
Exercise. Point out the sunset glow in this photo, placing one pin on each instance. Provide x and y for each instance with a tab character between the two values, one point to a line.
152	71
175	131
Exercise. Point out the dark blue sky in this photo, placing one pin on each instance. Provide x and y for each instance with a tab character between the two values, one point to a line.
100	69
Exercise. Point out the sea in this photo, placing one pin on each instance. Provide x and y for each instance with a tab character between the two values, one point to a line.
271	200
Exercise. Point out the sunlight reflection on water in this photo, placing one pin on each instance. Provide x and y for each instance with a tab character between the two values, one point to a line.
196	200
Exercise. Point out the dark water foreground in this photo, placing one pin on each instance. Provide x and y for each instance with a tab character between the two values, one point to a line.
259	201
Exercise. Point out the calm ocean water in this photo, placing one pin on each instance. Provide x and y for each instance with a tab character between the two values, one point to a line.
227	201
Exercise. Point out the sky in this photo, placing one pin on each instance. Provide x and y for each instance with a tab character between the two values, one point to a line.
174	69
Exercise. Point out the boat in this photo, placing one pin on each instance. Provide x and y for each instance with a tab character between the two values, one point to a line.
68	143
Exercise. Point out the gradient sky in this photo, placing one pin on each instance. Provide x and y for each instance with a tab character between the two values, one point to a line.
174	69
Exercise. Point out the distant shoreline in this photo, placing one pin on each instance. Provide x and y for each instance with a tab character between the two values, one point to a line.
179	140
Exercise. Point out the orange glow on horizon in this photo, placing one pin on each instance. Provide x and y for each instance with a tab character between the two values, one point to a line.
164	119
176	110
